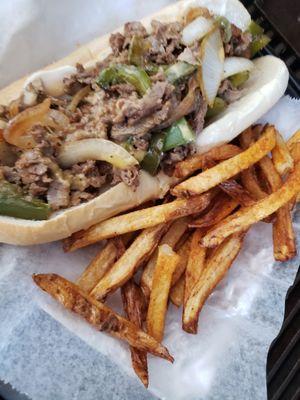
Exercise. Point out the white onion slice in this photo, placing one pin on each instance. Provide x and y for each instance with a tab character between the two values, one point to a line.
95	149
234	65
212	65
196	30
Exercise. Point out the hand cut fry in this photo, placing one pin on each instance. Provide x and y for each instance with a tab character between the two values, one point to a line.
284	241
167	261
129	262
183	253
137	220
185	168
177	292
247	216
229	168
194	268
250	182
237	192
216	267
103	261
293	140
282	159
98	314
134	305
223	206
171	238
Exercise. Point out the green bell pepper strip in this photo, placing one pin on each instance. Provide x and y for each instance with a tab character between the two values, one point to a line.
13	204
255	29
239	79
136	76
178	71
136	51
180	133
258	44
152	159
226	28
218	106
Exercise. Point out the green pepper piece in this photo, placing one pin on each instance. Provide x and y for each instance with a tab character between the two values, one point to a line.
136	51
178	134
226	28
152	159
259	43
13	204
239	79
178	71
138	154
108	76
136	76
255	29
218	106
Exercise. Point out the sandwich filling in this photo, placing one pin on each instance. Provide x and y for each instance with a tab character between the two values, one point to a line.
142	107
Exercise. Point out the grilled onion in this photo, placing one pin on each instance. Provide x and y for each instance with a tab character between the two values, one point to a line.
95	149
196	30
235	65
210	73
41	114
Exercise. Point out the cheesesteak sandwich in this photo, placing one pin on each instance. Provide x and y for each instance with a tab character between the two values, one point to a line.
101	131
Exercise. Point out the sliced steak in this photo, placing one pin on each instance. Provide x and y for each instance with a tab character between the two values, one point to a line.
228	92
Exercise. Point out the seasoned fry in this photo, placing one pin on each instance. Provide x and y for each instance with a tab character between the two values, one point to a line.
223	206
98	314
129	262
183	253
185	168
195	264
137	220
237	192
134	305
177	292
229	168
167	261
194	270
171	238
247	216
282	159
284	241
216	267
250	182
295	138
100	264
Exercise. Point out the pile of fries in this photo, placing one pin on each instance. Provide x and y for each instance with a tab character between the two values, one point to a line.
185	245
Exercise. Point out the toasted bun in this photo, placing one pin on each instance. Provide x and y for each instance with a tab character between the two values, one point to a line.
266	85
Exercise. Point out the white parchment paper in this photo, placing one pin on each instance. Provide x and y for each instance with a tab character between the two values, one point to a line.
42	358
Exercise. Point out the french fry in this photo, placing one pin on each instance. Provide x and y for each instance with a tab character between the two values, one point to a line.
282	159
216	267
223	206
134	305
137	220
98	314
171	238
295	138
229	168
194	270
177	292
100	264
250	182
247	216
195	264
167	261
183	253
284	241
129	262
185	168
237	192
